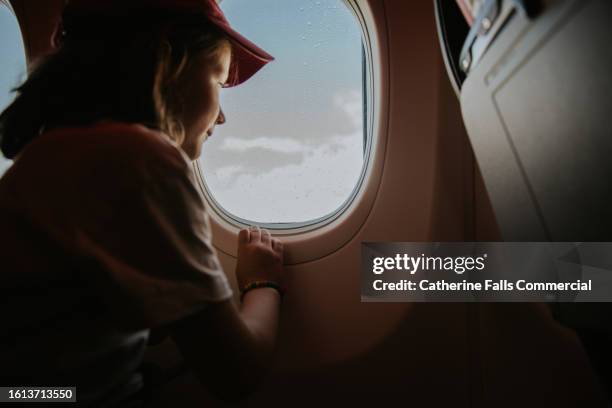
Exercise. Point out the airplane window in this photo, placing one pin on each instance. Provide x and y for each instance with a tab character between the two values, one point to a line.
12	55
292	149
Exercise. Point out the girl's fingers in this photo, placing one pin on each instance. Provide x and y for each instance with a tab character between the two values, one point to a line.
277	245
255	232
244	236
265	236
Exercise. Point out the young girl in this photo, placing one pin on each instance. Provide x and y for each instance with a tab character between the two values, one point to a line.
104	231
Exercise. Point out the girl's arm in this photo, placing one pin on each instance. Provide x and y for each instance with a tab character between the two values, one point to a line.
230	348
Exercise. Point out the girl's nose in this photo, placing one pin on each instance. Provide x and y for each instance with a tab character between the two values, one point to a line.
221	117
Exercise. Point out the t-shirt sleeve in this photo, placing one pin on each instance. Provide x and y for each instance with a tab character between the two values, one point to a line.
146	245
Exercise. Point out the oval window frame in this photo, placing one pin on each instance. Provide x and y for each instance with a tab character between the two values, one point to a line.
7	4
311	240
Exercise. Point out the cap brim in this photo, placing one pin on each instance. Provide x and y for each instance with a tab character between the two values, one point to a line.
247	58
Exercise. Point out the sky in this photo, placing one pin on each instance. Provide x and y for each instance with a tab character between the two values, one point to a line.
292	147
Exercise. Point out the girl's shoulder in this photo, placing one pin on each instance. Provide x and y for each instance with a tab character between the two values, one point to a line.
113	141
107	158
108	149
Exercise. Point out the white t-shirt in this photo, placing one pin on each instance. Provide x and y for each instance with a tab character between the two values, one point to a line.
103	236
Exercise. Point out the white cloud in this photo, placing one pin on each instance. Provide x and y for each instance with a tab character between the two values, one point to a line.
226	173
350	102
296	192
273	144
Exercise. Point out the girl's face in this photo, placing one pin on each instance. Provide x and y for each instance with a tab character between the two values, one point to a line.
201	83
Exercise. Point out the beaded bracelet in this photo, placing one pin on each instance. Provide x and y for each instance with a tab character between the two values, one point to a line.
261	284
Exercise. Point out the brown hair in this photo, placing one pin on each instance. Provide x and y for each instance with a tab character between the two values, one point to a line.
110	69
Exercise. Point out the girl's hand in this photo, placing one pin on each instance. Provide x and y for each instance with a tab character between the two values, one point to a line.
260	257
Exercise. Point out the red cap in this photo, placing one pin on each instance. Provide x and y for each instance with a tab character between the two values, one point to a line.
248	58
